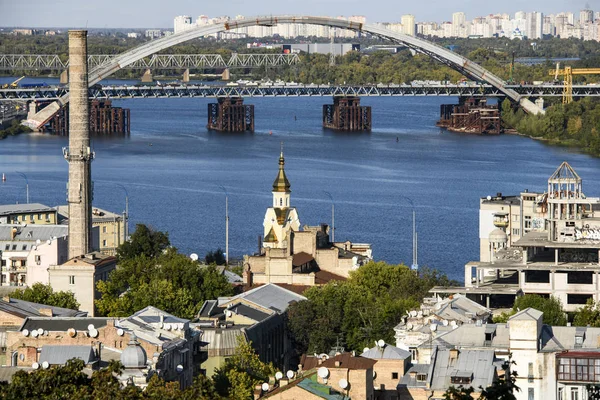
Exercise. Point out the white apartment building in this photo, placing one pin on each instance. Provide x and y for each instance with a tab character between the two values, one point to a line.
182	23
534	25
459	21
408	24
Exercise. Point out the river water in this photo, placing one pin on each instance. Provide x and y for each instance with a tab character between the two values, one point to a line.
173	168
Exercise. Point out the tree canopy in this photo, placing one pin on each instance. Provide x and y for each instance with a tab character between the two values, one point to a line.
360	310
554	314
588	315
44	294
149	273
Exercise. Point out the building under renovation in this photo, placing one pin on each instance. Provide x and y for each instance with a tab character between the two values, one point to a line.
545	243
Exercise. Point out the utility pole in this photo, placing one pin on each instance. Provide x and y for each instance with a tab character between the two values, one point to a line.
332	217
26	185
226	225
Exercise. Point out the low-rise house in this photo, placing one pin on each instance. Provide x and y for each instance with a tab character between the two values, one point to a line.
258	316
33	213
168	344
27	251
80	276
13	312
392	364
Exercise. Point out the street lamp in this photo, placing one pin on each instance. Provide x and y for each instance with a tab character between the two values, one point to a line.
415	263
332	217
226	225
26	183
126	210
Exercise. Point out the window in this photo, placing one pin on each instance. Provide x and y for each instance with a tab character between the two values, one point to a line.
530	394
280	202
71	279
421	377
574	393
39	217
580	277
561	394
7	247
527	222
104	229
104	243
38	258
24	247
14	247
31	217
394	375
530	372
578	298
515	232
23	263
578	369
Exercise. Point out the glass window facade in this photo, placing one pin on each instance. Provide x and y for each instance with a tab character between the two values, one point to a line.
579	369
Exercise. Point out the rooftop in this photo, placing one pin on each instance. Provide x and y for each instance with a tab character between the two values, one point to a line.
386	352
269	296
478	364
8	209
59	355
62	324
31	232
348	361
23	309
98	214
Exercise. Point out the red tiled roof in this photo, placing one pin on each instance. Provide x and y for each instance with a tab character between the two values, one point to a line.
322	277
346	360
301	258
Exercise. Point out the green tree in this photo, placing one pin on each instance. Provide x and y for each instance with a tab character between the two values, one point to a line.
144	241
554	314
242	372
216	257
588	315
44	294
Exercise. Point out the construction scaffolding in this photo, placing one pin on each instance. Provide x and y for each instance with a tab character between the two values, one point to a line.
104	120
230	115
346	114
471	116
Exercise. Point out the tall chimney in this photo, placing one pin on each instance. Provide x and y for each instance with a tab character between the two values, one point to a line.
79	154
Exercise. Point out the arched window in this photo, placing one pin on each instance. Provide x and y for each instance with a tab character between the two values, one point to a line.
280	202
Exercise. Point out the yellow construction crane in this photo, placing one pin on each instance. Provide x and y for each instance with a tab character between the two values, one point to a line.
568	73
14	84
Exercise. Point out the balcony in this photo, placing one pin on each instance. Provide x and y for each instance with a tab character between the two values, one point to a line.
501	220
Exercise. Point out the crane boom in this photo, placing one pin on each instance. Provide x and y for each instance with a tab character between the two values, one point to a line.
568	73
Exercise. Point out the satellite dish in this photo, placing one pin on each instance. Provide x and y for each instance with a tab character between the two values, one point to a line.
445	322
420	314
167	327
194	257
25	332
381	343
366	349
179	368
90	327
38	242
323	372
46	333
34	333
290	374
409	326
489	198
72	332
433	327
35	365
94	333
45	365
354	260
453	323
413	313
343	383
120	332
278	375
40	331
49	241
265	387
228	313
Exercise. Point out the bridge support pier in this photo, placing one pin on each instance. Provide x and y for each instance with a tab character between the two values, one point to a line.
230	115
147	77
186	76
64	77
471	115
346	114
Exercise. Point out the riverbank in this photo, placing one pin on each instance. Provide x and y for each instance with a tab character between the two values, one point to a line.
14	129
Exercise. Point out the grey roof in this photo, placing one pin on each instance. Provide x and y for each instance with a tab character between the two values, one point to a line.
24	309
471	335
221	342
478	363
457	308
59	355
249	312
32	232
268	296
388	352
410	378
560	338
62	324
98	214
8	209
527	314
7	373
147	327
209	309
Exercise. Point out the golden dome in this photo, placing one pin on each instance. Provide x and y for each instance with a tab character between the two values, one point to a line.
281	183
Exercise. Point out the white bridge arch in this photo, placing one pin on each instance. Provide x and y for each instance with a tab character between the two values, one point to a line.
441	54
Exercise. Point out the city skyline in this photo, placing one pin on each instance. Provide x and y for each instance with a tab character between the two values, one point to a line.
70	13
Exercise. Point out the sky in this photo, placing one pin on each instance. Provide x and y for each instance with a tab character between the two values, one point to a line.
160	13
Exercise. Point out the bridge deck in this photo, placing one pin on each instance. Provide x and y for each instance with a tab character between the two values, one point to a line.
141	92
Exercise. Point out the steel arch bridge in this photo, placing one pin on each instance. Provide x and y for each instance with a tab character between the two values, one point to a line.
441	54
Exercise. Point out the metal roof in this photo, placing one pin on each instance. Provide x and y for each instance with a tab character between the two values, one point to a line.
249	312
479	363
31	232
527	314
221	342
59	355
7	209
24	309
269	296
62	324
388	352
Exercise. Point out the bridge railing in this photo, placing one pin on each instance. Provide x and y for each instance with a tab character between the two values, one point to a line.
38	62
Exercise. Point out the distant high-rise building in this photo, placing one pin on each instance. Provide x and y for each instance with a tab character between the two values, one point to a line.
534	25
586	16
520	15
182	23
458	22
409	27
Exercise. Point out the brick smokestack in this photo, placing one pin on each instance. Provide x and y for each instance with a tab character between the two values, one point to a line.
79	154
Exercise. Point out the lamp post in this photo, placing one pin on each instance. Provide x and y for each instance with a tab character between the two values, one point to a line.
332	216
26	184
226	225
126	210
415	261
